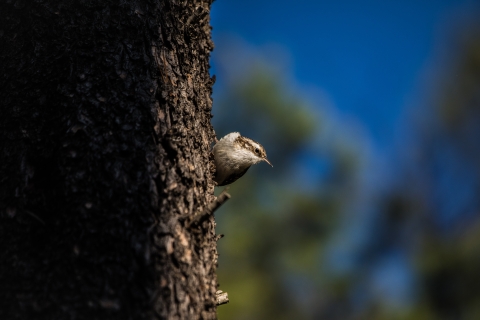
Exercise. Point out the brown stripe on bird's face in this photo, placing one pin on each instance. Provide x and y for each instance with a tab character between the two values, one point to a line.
251	145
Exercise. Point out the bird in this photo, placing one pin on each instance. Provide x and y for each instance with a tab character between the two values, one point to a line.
233	156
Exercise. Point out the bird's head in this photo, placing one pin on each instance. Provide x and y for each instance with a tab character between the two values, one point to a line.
252	151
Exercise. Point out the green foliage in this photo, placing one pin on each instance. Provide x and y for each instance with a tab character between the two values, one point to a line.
265	97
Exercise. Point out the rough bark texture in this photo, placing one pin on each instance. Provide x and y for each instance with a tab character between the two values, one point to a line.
105	141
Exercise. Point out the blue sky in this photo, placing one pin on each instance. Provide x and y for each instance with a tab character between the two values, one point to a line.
367	56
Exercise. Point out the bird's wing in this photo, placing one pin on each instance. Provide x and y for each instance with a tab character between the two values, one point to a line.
234	177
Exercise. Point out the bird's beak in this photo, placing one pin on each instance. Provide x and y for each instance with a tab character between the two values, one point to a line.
266	160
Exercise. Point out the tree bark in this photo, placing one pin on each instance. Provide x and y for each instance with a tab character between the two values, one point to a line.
105	142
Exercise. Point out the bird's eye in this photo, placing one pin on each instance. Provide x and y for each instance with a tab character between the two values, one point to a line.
256	150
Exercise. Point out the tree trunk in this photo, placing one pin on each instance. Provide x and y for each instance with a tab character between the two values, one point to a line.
105	141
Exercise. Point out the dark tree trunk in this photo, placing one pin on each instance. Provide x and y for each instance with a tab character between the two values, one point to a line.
105	139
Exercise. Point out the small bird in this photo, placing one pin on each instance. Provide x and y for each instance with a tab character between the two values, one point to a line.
234	154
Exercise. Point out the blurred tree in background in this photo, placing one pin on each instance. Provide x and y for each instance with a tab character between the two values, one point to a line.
310	239
446	174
